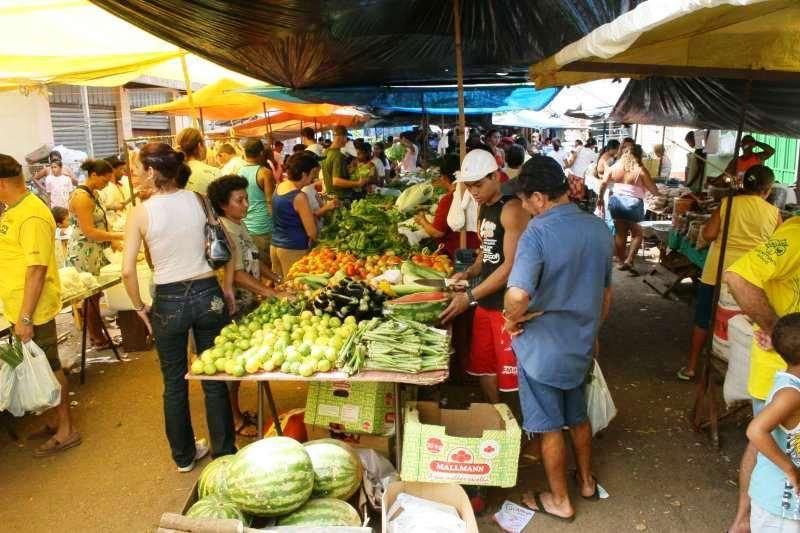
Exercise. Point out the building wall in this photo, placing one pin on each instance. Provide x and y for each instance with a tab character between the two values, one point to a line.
25	123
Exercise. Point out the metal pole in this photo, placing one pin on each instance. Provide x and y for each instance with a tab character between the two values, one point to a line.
663	149
462	121
723	245
188	83
266	117
87	120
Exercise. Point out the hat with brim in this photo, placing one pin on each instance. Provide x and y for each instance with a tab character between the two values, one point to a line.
477	164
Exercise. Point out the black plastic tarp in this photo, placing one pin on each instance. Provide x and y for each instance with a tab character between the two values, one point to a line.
319	43
711	103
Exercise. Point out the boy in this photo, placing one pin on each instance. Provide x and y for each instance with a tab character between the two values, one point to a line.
63	232
775	432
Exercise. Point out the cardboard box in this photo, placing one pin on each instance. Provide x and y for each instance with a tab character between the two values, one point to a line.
445	493
475	446
358	407
380	443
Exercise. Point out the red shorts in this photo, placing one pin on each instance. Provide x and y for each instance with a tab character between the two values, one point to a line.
491	353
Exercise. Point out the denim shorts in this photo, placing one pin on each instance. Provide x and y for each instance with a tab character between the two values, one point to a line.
626	208
546	408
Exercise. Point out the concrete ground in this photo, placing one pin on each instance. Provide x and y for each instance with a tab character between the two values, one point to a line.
660	474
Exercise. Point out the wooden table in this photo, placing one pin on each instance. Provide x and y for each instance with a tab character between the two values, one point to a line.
262	380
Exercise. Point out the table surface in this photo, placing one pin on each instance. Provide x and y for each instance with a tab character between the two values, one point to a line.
423	378
69	300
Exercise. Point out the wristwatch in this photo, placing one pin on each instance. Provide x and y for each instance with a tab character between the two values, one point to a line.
472	301
25	321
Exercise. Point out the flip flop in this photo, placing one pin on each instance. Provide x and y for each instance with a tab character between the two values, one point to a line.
624	266
683	375
595	497
54	446
45	433
537	497
244	425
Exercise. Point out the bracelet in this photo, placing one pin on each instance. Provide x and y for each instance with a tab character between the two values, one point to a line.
139	309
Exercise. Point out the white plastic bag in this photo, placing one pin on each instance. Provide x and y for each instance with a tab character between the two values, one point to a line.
378	475
600	405
7	380
36	388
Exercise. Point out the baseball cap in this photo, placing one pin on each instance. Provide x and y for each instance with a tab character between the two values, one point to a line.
539	174
477	164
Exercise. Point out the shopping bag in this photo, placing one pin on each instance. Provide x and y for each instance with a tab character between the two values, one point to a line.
599	403
35	387
7	380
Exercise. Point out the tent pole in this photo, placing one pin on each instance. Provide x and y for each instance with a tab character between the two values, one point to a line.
87	119
705	381
202	122
266	118
188	83
663	150
462	122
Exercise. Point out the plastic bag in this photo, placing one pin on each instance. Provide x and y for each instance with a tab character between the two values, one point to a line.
600	405
7	381
35	388
378	475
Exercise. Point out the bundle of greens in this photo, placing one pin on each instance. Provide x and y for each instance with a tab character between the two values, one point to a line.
11	353
367	228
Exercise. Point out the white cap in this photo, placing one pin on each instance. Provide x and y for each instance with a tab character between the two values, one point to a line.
476	165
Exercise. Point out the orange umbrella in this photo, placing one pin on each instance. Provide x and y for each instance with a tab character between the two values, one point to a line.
282	121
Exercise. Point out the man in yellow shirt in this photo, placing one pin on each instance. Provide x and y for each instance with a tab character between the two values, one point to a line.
30	288
766	285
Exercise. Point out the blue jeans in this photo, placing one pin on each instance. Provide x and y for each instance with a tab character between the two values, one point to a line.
626	208
177	308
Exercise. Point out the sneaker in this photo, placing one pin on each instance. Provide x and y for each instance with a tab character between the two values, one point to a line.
201	447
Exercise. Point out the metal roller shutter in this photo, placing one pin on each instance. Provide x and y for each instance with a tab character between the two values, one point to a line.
143	121
104	131
69	127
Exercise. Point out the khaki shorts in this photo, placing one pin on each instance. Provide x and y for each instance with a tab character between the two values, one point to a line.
284	258
46	338
763	521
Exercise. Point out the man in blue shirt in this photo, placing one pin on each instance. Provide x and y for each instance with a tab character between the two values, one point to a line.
558	293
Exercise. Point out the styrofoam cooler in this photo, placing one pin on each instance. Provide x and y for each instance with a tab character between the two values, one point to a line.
116	297
721	342
740	338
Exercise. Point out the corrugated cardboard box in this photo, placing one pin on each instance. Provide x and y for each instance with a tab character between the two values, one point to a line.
445	493
475	446
361	407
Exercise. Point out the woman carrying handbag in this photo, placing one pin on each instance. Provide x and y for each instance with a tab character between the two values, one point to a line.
183	244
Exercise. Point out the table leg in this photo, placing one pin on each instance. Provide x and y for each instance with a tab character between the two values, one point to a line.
398	428
85	328
276	419
105	329
260	408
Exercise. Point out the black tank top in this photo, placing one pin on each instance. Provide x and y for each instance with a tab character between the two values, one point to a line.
492	233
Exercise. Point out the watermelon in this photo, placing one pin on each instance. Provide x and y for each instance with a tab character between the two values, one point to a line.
213	478
323	512
270	477
215	507
337	469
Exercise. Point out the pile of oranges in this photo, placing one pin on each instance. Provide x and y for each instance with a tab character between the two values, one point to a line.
329	261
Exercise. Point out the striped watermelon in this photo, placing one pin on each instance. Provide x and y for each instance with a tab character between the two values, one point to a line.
337	469
215	507
323	512
270	477
213	478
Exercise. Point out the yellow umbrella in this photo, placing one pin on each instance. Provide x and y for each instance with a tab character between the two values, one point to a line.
755	39
217	102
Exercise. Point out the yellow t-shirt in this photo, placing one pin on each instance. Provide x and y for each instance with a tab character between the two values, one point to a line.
202	174
752	222
775	268
27	238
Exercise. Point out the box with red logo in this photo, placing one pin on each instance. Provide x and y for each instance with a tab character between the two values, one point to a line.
359	407
475	446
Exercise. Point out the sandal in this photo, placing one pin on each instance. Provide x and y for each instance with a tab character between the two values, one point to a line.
595	497
54	446
684	375
45	433
537	497
624	266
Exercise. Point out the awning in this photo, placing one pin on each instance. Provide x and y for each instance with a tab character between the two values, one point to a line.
279	121
434	100
218	101
316	43
535	119
75	42
774	106
754	39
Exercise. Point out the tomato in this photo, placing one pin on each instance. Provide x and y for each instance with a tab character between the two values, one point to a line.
362	272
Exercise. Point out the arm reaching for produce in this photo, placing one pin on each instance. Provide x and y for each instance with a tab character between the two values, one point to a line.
429	228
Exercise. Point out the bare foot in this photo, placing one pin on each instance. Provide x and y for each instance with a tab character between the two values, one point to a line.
739	528
549	507
586	487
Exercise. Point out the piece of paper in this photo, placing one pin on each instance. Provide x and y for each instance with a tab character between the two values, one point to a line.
512	517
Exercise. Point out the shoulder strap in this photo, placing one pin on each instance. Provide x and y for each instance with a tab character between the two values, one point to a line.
97	203
210	218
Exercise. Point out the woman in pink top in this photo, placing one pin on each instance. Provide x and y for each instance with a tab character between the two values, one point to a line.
626	206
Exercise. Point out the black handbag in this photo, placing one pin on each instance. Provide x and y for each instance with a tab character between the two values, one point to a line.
218	249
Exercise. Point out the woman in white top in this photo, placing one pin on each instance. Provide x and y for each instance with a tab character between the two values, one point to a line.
187	297
190	142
